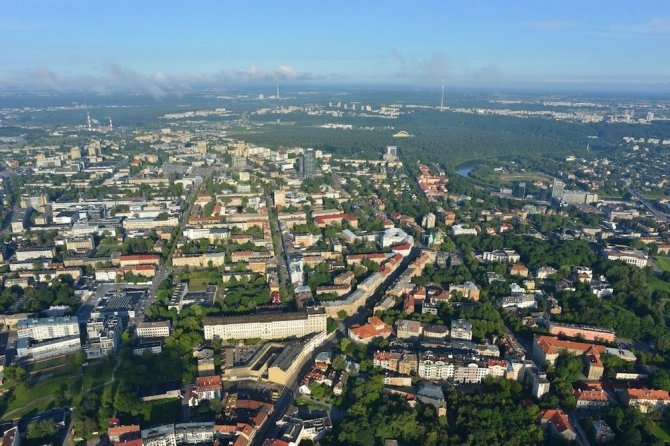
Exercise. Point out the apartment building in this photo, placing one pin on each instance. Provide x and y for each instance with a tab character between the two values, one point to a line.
41	329
266	325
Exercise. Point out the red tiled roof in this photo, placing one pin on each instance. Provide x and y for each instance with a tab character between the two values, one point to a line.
122	430
139	257
558	418
648	394
550	344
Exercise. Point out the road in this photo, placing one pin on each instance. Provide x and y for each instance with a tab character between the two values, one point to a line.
661	216
269	428
278	243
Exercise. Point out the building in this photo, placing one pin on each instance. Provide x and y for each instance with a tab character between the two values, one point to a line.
208	387
367	332
504	255
434	367
307	163
266	325
139	259
591	397
468	289
557	189
536	380
547	348
518	301
121	434
633	257
159	329
391	154
11	437
23	255
25	348
603	432
461	329
41	329
428	221
457	230
408	329
582	332
194	433
559	424
646	399
159	436
103	336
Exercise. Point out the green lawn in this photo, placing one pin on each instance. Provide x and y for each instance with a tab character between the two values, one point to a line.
52	362
657	283
663	262
198	284
24	396
161	411
96	374
660	433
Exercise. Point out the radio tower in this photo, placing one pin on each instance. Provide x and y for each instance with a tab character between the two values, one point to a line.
277	85
88	121
111	126
442	99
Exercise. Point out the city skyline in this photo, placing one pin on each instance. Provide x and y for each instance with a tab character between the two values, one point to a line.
144	46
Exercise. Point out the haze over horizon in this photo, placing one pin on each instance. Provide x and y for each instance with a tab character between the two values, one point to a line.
148	47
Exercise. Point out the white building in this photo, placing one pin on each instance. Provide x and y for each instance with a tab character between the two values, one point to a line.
504	255
42	329
266	326
103	336
159	329
630	256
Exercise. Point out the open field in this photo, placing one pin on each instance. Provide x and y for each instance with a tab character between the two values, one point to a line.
523	176
657	283
663	262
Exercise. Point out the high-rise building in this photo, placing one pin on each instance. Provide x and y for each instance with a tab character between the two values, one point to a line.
391	153
650	116
557	189
428	221
307	163
521	190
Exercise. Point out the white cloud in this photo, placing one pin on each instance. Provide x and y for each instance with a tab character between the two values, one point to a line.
113	77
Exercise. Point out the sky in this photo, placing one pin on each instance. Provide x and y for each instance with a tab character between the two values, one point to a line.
158	46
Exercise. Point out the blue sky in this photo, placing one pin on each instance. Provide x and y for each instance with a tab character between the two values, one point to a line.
108	44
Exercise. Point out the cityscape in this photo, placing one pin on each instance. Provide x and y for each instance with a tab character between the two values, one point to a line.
272	257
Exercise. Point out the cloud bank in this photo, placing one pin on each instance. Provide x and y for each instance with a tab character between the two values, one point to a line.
112	77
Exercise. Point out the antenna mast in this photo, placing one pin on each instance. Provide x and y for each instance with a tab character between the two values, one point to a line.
442	99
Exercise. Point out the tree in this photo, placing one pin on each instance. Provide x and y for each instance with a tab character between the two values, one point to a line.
41	429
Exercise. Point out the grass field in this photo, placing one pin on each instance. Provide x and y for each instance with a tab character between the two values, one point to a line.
97	374
663	262
660	433
52	362
198	284
161	412
39	396
523	176
657	283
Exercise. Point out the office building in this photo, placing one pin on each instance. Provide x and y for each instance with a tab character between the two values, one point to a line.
41	329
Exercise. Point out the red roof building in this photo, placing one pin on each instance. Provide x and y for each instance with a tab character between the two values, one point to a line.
139	259
559	424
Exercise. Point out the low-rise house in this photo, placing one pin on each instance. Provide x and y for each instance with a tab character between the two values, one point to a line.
374	328
559	424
